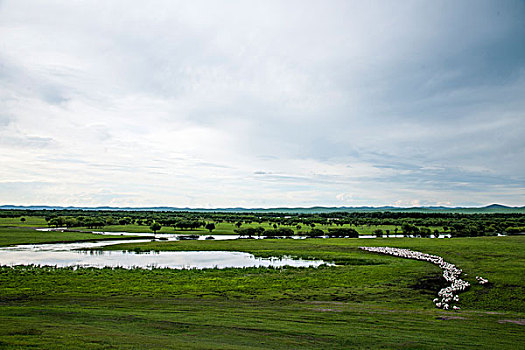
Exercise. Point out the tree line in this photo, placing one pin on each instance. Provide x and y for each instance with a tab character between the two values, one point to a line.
407	223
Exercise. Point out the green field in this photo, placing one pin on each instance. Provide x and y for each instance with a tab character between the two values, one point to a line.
23	235
31	221
367	301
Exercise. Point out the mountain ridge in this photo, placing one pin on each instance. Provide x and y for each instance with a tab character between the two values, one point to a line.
315	209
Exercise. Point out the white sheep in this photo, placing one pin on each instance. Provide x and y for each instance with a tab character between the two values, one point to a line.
451	273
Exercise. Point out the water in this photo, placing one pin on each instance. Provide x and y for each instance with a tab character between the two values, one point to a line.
67	255
164	236
441	235
176	236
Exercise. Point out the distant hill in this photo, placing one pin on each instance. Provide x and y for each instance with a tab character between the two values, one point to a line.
493	208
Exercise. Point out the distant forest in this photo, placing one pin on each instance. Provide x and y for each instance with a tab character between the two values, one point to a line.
409	223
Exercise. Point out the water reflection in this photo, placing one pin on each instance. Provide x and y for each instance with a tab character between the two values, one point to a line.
201	237
65	255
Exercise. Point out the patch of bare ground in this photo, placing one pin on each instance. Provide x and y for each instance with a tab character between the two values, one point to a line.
327	310
325	302
447	318
520	321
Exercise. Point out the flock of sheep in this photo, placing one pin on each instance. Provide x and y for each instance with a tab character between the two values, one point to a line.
451	273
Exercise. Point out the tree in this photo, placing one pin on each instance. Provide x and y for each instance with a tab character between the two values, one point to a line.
279	232
409	229
58	221
71	222
155	226
249	231
425	232
124	221
22	219
260	231
341	232
315	232
210	226
378	233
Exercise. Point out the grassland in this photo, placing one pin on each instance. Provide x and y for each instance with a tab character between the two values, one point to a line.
29	221
367	301
23	235
500	259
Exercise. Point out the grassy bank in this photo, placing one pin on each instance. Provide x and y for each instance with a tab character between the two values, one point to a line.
20	235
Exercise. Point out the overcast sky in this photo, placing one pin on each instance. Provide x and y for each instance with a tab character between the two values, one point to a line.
262	103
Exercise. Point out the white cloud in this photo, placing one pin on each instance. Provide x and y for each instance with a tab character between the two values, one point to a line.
261	103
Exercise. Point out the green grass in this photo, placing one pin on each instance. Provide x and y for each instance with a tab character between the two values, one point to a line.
30	221
500	259
368	301
20	235
138	322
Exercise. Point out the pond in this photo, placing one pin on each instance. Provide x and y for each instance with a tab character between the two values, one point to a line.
162	236
76	254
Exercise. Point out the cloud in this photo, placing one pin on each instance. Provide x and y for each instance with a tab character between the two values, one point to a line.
26	141
266	103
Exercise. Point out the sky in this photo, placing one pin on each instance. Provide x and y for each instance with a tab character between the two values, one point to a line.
208	104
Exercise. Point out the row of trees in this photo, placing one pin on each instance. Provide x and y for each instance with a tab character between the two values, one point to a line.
155	226
291	219
81	221
340	232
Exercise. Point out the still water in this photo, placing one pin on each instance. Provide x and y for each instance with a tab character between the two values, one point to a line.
165	236
177	236
75	254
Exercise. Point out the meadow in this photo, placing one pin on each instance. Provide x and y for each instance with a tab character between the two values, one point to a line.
24	235
366	301
24	221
